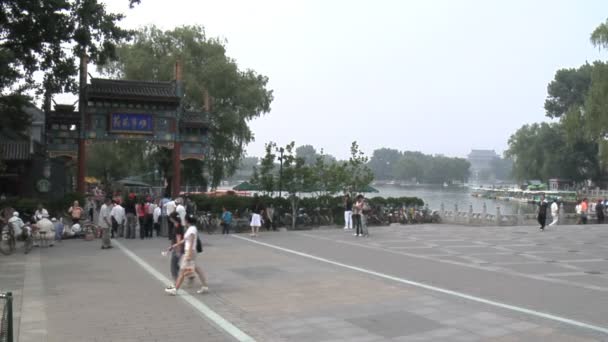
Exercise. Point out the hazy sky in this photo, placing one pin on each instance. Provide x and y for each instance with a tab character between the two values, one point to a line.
434	76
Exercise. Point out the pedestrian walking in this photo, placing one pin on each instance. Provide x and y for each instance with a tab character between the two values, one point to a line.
542	212
105	222
599	211
118	218
188	264
176	248
226	221
357	212
348	212
256	222
554	212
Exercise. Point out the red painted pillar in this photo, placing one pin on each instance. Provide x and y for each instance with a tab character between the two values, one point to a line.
176	163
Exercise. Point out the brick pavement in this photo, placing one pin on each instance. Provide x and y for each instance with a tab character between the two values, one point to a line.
89	294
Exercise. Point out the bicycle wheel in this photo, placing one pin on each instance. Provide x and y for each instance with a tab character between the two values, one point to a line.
7	245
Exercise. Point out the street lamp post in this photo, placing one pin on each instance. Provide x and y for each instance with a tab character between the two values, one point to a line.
281	150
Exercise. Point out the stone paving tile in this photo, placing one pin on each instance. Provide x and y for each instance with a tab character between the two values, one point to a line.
94	295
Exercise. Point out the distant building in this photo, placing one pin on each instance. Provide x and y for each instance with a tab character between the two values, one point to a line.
481	162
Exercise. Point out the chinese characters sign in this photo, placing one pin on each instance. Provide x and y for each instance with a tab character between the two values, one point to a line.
131	123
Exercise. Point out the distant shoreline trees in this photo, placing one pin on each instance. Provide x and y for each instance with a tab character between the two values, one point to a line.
417	167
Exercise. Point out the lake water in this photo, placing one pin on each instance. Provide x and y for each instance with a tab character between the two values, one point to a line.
435	195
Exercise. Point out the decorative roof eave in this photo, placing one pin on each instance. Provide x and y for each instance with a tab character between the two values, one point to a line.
106	89
194	119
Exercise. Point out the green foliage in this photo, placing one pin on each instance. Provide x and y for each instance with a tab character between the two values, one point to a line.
45	36
383	163
266	175
308	153
567	90
599	36
416	166
238	95
543	151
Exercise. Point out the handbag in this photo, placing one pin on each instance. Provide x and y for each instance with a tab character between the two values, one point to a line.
199	245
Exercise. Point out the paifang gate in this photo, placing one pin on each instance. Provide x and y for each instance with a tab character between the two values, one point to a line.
129	110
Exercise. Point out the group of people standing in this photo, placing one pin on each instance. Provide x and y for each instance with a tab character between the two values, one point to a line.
144	215
583	210
353	214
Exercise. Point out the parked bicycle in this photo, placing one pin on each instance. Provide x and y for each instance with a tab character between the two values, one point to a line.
8	242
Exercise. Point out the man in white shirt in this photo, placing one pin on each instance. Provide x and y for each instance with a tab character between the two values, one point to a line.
181	211
40	213
554	212
156	219
118	219
169	209
105	222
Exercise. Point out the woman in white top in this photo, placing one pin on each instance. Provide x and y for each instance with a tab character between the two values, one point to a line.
256	223
187	263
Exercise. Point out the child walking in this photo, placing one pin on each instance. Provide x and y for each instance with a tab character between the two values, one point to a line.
256	223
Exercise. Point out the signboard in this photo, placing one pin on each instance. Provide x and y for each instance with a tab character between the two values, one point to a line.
131	123
43	185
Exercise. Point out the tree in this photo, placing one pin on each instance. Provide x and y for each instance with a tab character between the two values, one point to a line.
542	151
238	95
357	174
296	178
266	175
383	161
308	153
599	36
48	37
567	91
502	168
107	161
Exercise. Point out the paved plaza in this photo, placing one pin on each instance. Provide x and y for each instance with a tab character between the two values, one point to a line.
404	283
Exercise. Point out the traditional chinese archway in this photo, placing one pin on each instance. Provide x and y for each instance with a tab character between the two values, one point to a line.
114	110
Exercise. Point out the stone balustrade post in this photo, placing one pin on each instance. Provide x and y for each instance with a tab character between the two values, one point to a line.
470	218
498	218
520	216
